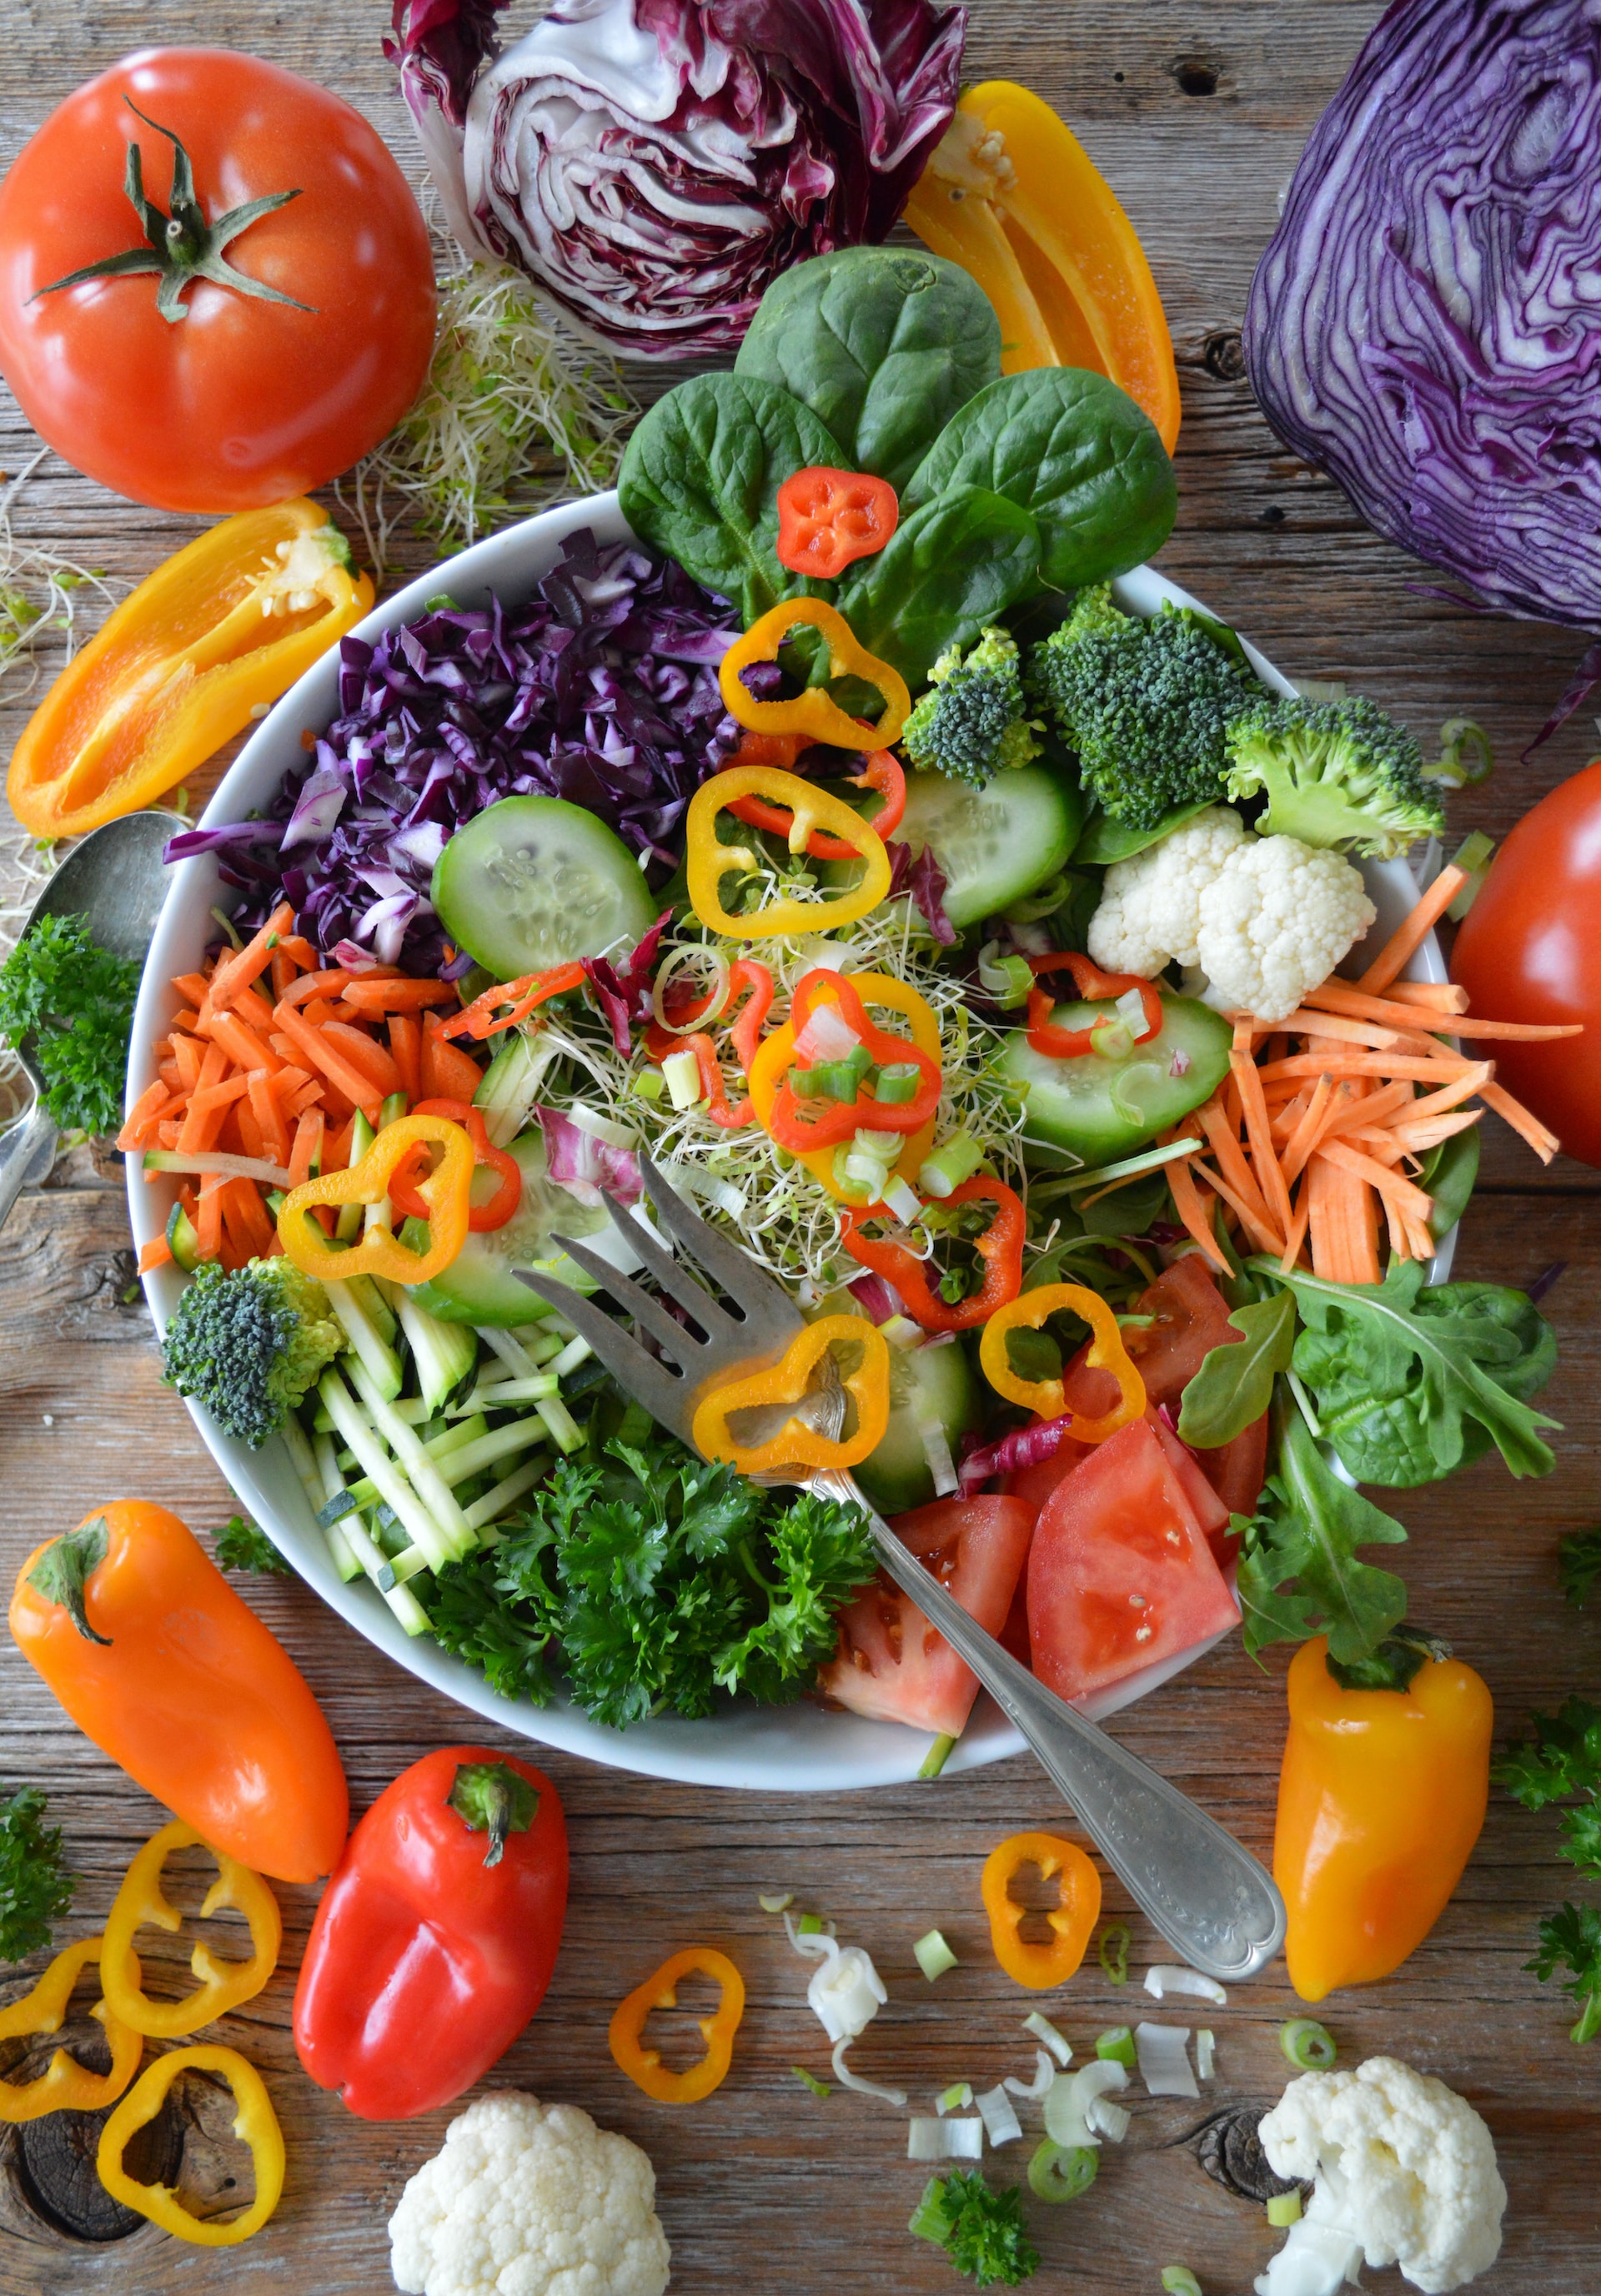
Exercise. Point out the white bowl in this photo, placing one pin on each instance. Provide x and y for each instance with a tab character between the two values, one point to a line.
796	1747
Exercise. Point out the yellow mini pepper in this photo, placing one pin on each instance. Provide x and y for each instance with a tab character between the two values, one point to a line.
796	1445
1108	1352
1381	1798
446	1192
707	860
225	626
255	2123
222	1985
813	713
65	2084
643	2066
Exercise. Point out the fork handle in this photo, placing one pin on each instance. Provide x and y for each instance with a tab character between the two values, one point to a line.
1210	1898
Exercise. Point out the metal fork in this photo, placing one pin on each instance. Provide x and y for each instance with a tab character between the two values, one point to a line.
1209	1898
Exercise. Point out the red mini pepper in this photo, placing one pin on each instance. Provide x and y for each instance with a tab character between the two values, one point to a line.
482	1219
827	518
999	1247
826	1126
882	773
435	1939
1093	984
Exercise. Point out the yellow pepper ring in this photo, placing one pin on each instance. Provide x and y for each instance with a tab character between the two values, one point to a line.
1108	1352
788	1382
880	992
65	2085
707	860
255	2123
813	713
446	1192
224	1984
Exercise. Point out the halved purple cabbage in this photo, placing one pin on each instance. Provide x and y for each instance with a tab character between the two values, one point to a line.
1426	324
654	164
601	689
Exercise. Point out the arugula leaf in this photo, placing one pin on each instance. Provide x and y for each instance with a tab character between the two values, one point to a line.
1234	1385
1578	1566
1572	1939
1562	1757
34	1892
1414	1380
981	2231
75	1001
1298	1569
241	1544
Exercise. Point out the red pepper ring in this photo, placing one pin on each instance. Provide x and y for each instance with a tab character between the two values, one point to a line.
480	1019
745	1034
829	517
840	1120
882	772
711	1086
999	1247
482	1219
1093	984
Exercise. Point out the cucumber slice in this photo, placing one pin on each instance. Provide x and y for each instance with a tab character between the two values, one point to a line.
1095	1109
181	1241
533	881
481	1285
994	844
924	1383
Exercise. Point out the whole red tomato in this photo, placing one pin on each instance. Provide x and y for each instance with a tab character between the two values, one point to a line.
241	401
1531	950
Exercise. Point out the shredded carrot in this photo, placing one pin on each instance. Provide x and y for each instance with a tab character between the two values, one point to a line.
1540	1137
448	1073
1415	929
156	1253
241	1042
1270	1178
192	984
1297	1235
267	1109
1388	1065
327	1057
373	993
307	1148
405	1047
1438	995
1342	1224
1310	1130
138	1129
1187	1202
365	1054
1391	1185
238	970
1233	1169
209	1218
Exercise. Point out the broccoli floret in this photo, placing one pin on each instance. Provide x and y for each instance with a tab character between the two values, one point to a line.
248	1343
1146	704
972	722
1334	773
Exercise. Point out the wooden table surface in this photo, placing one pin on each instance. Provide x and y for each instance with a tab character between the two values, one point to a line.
1196	114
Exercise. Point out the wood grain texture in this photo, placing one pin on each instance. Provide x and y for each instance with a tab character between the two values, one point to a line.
1196	116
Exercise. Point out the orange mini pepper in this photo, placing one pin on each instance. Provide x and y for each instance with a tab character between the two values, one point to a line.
446	1193
1108	1352
65	2084
643	2066
222	1985
788	1382
158	1661
1072	1918
813	713
1381	1799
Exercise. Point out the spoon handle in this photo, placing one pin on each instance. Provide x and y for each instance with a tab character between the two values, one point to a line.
24	1153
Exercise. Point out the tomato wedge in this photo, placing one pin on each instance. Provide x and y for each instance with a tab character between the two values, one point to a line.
891	1664
1120	1574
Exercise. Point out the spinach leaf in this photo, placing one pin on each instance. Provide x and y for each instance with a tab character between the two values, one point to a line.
1073	449
700	479
1415	1380
1105	841
952	566
882	344
1448	1173
1298	1569
1234	1385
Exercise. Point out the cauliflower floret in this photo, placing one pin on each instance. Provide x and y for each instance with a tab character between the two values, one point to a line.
1150	907
1275	922
1404	2167
529	2200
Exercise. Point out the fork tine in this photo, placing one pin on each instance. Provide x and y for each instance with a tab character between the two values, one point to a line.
755	1293
663	1328
676	1281
667	1398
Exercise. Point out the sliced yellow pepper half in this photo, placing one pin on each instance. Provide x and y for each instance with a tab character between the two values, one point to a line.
796	1447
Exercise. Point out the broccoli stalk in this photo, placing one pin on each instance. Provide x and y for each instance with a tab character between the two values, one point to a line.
972	722
981	2231
1146	704
1335	774
248	1343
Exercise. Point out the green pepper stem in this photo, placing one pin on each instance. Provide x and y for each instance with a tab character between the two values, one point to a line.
61	1573
493	1798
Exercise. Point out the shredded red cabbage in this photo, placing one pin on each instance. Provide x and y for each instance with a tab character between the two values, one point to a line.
925	880
1024	1447
624	997
602	688
876	1299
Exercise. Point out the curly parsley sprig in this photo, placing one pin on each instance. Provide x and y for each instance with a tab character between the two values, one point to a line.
34	1892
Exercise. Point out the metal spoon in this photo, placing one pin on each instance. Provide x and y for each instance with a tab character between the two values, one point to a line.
115	877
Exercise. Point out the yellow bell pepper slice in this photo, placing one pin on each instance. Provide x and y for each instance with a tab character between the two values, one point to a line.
880	992
813	713
1108	1352
65	2085
447	1192
787	1381
255	2123
227	624
707	861
1013	197
224	1984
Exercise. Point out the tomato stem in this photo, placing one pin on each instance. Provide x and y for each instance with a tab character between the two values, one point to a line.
182	247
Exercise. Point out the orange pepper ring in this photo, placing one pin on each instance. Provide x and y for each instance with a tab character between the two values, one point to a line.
787	1381
1108	1352
1072	1919
446	1192
643	2066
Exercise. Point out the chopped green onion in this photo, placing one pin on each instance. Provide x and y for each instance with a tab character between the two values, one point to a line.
810	2080
1117	2045
1284	2209
775	1901
884	1147
830	1080
933	1956
957	1161
1113	1951
957	2097
649	1085
933	1761
1042	2029
1474	856
680	1073
1150	1160
1044	901
1307	2045
1007	980
1062	2172
898	1082
1455	769
1179	2280
1111	1037
809	1925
